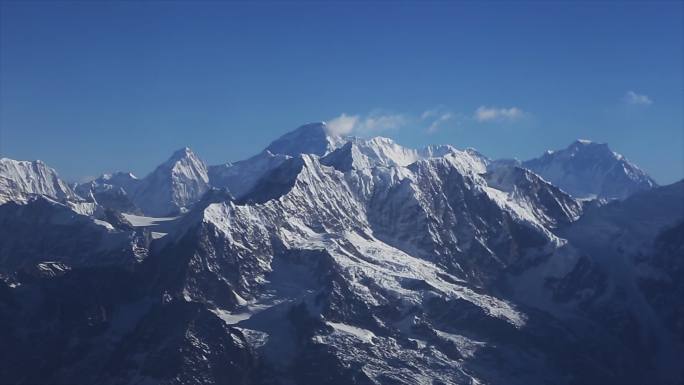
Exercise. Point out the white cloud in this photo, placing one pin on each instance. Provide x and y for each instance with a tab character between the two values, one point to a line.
342	125
493	114
373	123
430	113
632	97
377	123
436	117
432	120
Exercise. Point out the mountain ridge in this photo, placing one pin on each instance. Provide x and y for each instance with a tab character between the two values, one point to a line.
366	263
314	138
587	169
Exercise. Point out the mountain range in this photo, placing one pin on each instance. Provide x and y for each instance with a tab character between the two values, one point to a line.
344	260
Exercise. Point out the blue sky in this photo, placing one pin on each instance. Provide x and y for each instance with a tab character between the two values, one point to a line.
103	86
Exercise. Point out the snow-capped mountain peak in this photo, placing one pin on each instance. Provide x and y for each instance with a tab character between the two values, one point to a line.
179	155
174	185
113	191
312	138
364	153
361	153
549	205
20	179
186	163
587	169
121	179
585	146
119	175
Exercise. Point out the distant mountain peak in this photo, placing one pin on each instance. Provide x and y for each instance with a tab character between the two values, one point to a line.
588	169
118	175
112	190
311	138
588	145
20	178
361	153
180	154
174	185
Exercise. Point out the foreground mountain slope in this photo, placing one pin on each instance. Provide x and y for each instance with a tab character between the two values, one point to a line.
297	275
548	203
633	244
41	235
300	273
591	170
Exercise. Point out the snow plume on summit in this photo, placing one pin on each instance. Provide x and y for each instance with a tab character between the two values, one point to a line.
371	124
342	125
312	138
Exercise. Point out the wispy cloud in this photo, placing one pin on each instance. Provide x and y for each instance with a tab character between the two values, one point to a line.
431	120
369	124
342	125
495	114
376	123
436	118
632	97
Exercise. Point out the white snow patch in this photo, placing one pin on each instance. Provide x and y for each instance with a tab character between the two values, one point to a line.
466	346
161	224
245	313
362	334
255	338
232	318
104	224
142	221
